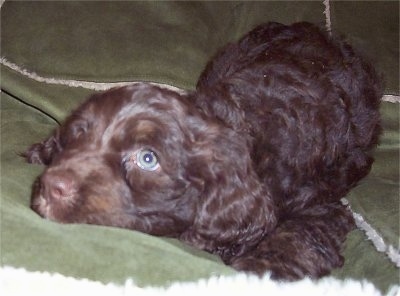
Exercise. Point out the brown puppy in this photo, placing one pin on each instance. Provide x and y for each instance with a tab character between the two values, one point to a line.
251	166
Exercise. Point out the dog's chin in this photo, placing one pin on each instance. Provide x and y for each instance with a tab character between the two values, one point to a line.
42	207
39	204
52	211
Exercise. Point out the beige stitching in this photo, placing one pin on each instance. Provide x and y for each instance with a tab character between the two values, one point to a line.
327	13
373	235
391	98
96	86
377	240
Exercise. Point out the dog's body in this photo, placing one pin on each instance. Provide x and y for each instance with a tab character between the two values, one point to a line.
251	166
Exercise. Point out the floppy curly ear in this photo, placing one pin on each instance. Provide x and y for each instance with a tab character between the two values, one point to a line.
235	210
43	152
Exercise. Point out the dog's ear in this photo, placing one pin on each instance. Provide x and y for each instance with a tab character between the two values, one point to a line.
71	129
235	210
43	152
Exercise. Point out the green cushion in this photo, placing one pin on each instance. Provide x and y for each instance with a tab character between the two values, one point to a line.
48	47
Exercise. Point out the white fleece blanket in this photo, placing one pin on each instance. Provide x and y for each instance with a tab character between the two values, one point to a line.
21	282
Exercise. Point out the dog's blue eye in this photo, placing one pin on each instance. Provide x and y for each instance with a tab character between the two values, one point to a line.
147	160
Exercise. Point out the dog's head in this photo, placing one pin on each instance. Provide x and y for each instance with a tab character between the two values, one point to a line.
144	158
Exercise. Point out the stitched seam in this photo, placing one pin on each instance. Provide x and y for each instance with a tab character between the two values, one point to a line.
391	98
377	240
327	13
96	86
379	243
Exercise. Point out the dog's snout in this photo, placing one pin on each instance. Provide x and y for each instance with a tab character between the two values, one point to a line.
58	185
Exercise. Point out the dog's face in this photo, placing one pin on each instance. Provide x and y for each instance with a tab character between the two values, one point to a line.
123	161
145	158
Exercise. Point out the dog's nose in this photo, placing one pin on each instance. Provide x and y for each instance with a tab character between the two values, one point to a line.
58	185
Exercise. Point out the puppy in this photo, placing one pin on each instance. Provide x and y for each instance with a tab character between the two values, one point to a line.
251	166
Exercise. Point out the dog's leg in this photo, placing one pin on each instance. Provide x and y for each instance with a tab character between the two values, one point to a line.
308	244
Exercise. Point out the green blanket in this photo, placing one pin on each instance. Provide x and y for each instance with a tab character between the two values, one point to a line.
54	54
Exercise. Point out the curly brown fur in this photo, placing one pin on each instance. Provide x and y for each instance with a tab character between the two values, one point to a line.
251	166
